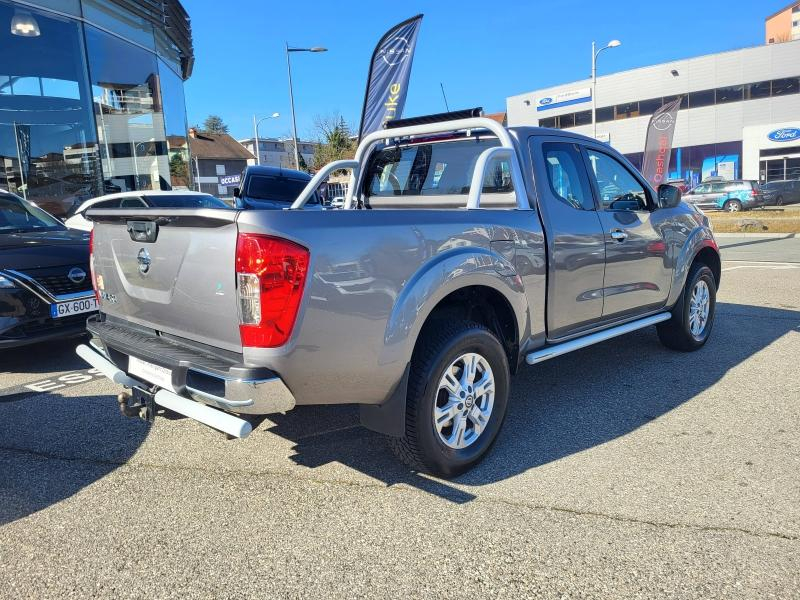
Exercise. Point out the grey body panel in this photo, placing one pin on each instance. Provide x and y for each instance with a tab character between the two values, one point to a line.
376	275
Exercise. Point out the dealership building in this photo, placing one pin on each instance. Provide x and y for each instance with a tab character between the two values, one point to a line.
739	115
90	93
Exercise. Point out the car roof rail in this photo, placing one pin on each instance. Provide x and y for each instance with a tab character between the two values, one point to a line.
435	118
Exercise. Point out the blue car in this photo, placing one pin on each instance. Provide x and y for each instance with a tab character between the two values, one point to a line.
731	196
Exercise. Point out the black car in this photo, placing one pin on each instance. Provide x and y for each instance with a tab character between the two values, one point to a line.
274	188
782	192
45	281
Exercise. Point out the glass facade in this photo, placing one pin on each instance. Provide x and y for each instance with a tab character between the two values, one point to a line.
84	111
694	164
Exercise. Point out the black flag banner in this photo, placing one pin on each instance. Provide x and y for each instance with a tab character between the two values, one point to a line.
658	143
389	72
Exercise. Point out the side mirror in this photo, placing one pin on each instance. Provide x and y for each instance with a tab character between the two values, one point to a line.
668	196
236	192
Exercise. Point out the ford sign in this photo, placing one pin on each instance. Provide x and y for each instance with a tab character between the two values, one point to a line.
786	134
544	101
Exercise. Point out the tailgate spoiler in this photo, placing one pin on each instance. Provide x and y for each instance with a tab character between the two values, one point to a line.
187	217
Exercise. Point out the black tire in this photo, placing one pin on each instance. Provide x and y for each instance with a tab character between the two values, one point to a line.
732	206
444	342
676	333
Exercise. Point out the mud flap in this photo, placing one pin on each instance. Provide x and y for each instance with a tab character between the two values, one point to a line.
388	418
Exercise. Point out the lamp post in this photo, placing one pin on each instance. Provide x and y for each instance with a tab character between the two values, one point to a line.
291	95
256	123
611	44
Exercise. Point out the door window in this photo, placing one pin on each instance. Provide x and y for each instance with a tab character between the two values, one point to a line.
701	189
567	175
619	189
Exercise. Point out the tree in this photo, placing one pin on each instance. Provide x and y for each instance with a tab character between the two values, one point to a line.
214	124
334	140
177	166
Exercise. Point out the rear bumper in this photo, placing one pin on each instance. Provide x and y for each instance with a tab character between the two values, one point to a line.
211	377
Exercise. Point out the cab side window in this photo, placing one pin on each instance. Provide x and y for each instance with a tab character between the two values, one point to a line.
567	176
618	188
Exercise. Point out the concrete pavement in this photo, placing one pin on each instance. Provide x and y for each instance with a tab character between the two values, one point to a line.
623	470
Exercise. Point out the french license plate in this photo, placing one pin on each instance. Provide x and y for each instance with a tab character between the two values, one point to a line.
73	307
160	376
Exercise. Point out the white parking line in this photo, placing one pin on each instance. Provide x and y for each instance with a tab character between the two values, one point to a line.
777	266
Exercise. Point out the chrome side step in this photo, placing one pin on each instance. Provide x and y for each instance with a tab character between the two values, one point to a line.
594	338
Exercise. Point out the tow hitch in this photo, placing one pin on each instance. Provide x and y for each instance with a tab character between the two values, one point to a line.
140	403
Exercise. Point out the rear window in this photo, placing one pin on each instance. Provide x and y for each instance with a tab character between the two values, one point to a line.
276	188
185	201
435	169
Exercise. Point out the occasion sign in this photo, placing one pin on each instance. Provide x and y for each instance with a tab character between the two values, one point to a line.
785	134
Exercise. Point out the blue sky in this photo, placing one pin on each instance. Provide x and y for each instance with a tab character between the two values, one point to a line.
482	52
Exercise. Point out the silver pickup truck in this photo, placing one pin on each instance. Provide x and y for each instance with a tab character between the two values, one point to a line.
464	249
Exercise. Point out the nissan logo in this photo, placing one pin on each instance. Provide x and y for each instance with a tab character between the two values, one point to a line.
144	260
396	51
76	275
663	121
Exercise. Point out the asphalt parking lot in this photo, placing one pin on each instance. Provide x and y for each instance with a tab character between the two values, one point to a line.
622	470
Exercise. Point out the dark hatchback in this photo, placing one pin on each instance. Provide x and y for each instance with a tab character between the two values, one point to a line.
45	282
272	188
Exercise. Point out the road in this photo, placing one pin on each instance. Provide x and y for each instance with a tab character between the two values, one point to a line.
623	470
785	248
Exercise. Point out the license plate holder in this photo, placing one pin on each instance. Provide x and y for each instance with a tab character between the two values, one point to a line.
69	308
155	374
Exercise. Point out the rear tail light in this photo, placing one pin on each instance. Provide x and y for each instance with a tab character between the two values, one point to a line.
91	266
270	277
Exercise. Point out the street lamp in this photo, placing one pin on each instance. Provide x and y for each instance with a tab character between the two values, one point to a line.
611	44
255	128
291	95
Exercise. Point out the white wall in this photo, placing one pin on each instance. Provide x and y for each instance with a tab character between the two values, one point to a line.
704	125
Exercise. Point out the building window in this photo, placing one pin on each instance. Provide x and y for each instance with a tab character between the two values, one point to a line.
757	90
729	94
567	120
626	111
583	117
547	122
781	87
48	143
126	91
604	114
648	107
701	98
684	100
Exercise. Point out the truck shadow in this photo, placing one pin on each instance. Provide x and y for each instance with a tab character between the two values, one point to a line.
558	408
45	437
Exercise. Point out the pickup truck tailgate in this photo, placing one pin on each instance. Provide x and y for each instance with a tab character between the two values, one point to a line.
172	270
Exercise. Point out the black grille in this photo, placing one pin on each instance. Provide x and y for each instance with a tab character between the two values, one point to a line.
56	279
61	284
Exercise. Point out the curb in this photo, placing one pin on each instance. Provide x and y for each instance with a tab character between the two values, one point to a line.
784	236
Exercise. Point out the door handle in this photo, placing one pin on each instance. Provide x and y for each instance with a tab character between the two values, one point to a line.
619	235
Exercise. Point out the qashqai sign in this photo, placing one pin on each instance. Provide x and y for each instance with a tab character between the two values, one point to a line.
785	134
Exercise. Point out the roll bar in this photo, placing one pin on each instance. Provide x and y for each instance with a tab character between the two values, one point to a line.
506	148
321	176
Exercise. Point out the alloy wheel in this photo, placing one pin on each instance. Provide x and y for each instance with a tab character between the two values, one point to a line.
699	308
464	401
